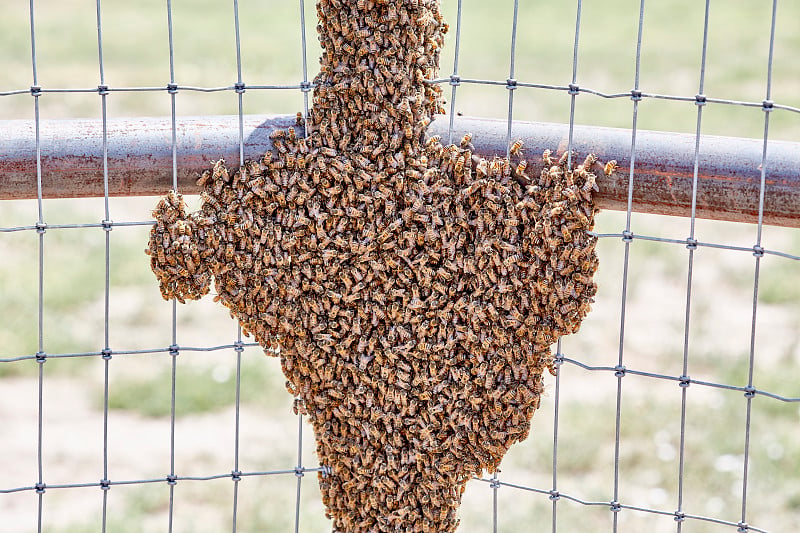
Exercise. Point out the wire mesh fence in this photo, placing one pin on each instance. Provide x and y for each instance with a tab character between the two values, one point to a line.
674	408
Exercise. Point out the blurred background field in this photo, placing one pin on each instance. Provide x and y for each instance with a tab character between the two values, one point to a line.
136	54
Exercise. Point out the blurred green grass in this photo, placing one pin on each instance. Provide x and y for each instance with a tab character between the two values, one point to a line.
197	390
135	49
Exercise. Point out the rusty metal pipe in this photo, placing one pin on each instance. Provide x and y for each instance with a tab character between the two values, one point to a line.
140	161
729	170
139	153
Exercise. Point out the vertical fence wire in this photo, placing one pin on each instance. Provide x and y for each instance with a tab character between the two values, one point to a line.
172	89
573	93
41	227
758	253
236	474
298	472
573	86
494	485
627	238
554	496
305	88
240	86
173	352
240	89
172	477
102	90
511	82
511	85
454	79
692	246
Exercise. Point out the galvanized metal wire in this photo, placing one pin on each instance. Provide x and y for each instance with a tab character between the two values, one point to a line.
554	492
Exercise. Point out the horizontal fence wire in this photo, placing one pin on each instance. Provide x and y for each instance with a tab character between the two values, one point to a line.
235	476
454	81
688	243
559	359
554	493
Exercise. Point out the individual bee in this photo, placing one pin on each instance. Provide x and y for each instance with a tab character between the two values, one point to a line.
459	165
160	255
547	159
516	147
566	234
581	217
579	171
580	277
279	145
589	162
610	167
466	142
519	171
566	156
590	184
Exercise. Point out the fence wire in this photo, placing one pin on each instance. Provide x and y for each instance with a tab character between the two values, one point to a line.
619	371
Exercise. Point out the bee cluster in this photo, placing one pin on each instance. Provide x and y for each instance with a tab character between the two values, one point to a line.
413	289
181	271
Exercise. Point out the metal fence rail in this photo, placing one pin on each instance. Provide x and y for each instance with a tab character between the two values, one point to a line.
694	176
140	159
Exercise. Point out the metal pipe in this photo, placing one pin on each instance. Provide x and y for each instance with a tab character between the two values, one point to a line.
728	177
140	161
139	153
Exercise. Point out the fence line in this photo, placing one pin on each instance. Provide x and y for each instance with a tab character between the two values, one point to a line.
658	174
454	81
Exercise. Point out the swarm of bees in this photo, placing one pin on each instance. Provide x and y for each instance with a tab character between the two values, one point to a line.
181	270
411	289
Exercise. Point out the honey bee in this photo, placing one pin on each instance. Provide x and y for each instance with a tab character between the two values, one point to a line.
520	169
516	147
327	151
590	184
610	167
556	210
548	162
278	143
580	277
459	165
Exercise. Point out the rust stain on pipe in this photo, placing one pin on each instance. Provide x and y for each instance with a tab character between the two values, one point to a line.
140	161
